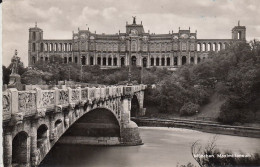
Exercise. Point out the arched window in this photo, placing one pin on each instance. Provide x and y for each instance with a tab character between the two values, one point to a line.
192	60
41	58
91	60
175	61
20	149
144	62
198	60
46	58
83	60
58	123
61	47
152	61
219	46
99	60
46	47
122	61
104	61
183	60
133	61
65	47
51	47
168	61
33	60
239	35
109	61
76	59
203	47
65	60
198	47
70	47
209	47
55	47
70	59
34	36
214	47
42	47
163	61
34	47
42	135
157	61
115	61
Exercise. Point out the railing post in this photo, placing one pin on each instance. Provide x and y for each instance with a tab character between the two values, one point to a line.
58	108
16	116
40	111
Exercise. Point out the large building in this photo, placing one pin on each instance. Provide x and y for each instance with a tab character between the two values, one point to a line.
135	45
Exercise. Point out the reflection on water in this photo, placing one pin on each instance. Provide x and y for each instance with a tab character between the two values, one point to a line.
163	147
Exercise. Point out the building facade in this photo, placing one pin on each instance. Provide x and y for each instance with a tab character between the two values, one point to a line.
135	47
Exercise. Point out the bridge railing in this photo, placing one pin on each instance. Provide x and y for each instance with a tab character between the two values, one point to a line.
38	101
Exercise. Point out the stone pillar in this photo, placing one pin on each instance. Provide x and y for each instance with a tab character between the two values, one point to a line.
141	103
129	130
7	136
160	60
196	58
179	60
53	134
148	60
101	60
33	134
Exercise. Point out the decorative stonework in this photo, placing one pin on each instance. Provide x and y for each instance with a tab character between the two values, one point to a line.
84	93
63	97
26	100
6	102
75	95
47	99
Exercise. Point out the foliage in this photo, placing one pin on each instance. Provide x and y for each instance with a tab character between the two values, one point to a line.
35	77
189	109
217	158
6	74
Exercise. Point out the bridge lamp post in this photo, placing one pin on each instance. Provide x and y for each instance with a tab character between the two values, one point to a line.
81	71
129	67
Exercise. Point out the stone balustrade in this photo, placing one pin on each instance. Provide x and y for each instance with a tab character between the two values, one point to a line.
19	104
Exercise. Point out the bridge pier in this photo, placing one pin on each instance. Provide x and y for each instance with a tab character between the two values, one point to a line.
128	130
7	149
34	156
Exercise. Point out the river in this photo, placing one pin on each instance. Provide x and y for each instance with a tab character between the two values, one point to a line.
163	147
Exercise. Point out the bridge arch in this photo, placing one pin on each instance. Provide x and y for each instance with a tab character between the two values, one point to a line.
99	123
20	149
42	135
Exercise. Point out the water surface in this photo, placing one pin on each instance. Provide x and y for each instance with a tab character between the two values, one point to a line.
163	147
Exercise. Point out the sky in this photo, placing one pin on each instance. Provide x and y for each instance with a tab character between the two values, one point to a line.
58	18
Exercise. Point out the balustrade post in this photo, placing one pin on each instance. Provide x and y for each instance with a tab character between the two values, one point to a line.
40	111
14	100
16	116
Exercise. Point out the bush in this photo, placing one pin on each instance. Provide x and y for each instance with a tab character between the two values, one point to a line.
234	111
189	109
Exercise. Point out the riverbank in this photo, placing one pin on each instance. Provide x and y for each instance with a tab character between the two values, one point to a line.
204	126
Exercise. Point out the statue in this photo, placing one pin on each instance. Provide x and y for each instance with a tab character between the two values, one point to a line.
15	60
15	78
134	19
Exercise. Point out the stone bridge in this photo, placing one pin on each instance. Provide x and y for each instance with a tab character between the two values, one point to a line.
34	120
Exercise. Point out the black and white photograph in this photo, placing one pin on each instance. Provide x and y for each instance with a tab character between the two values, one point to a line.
130	83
